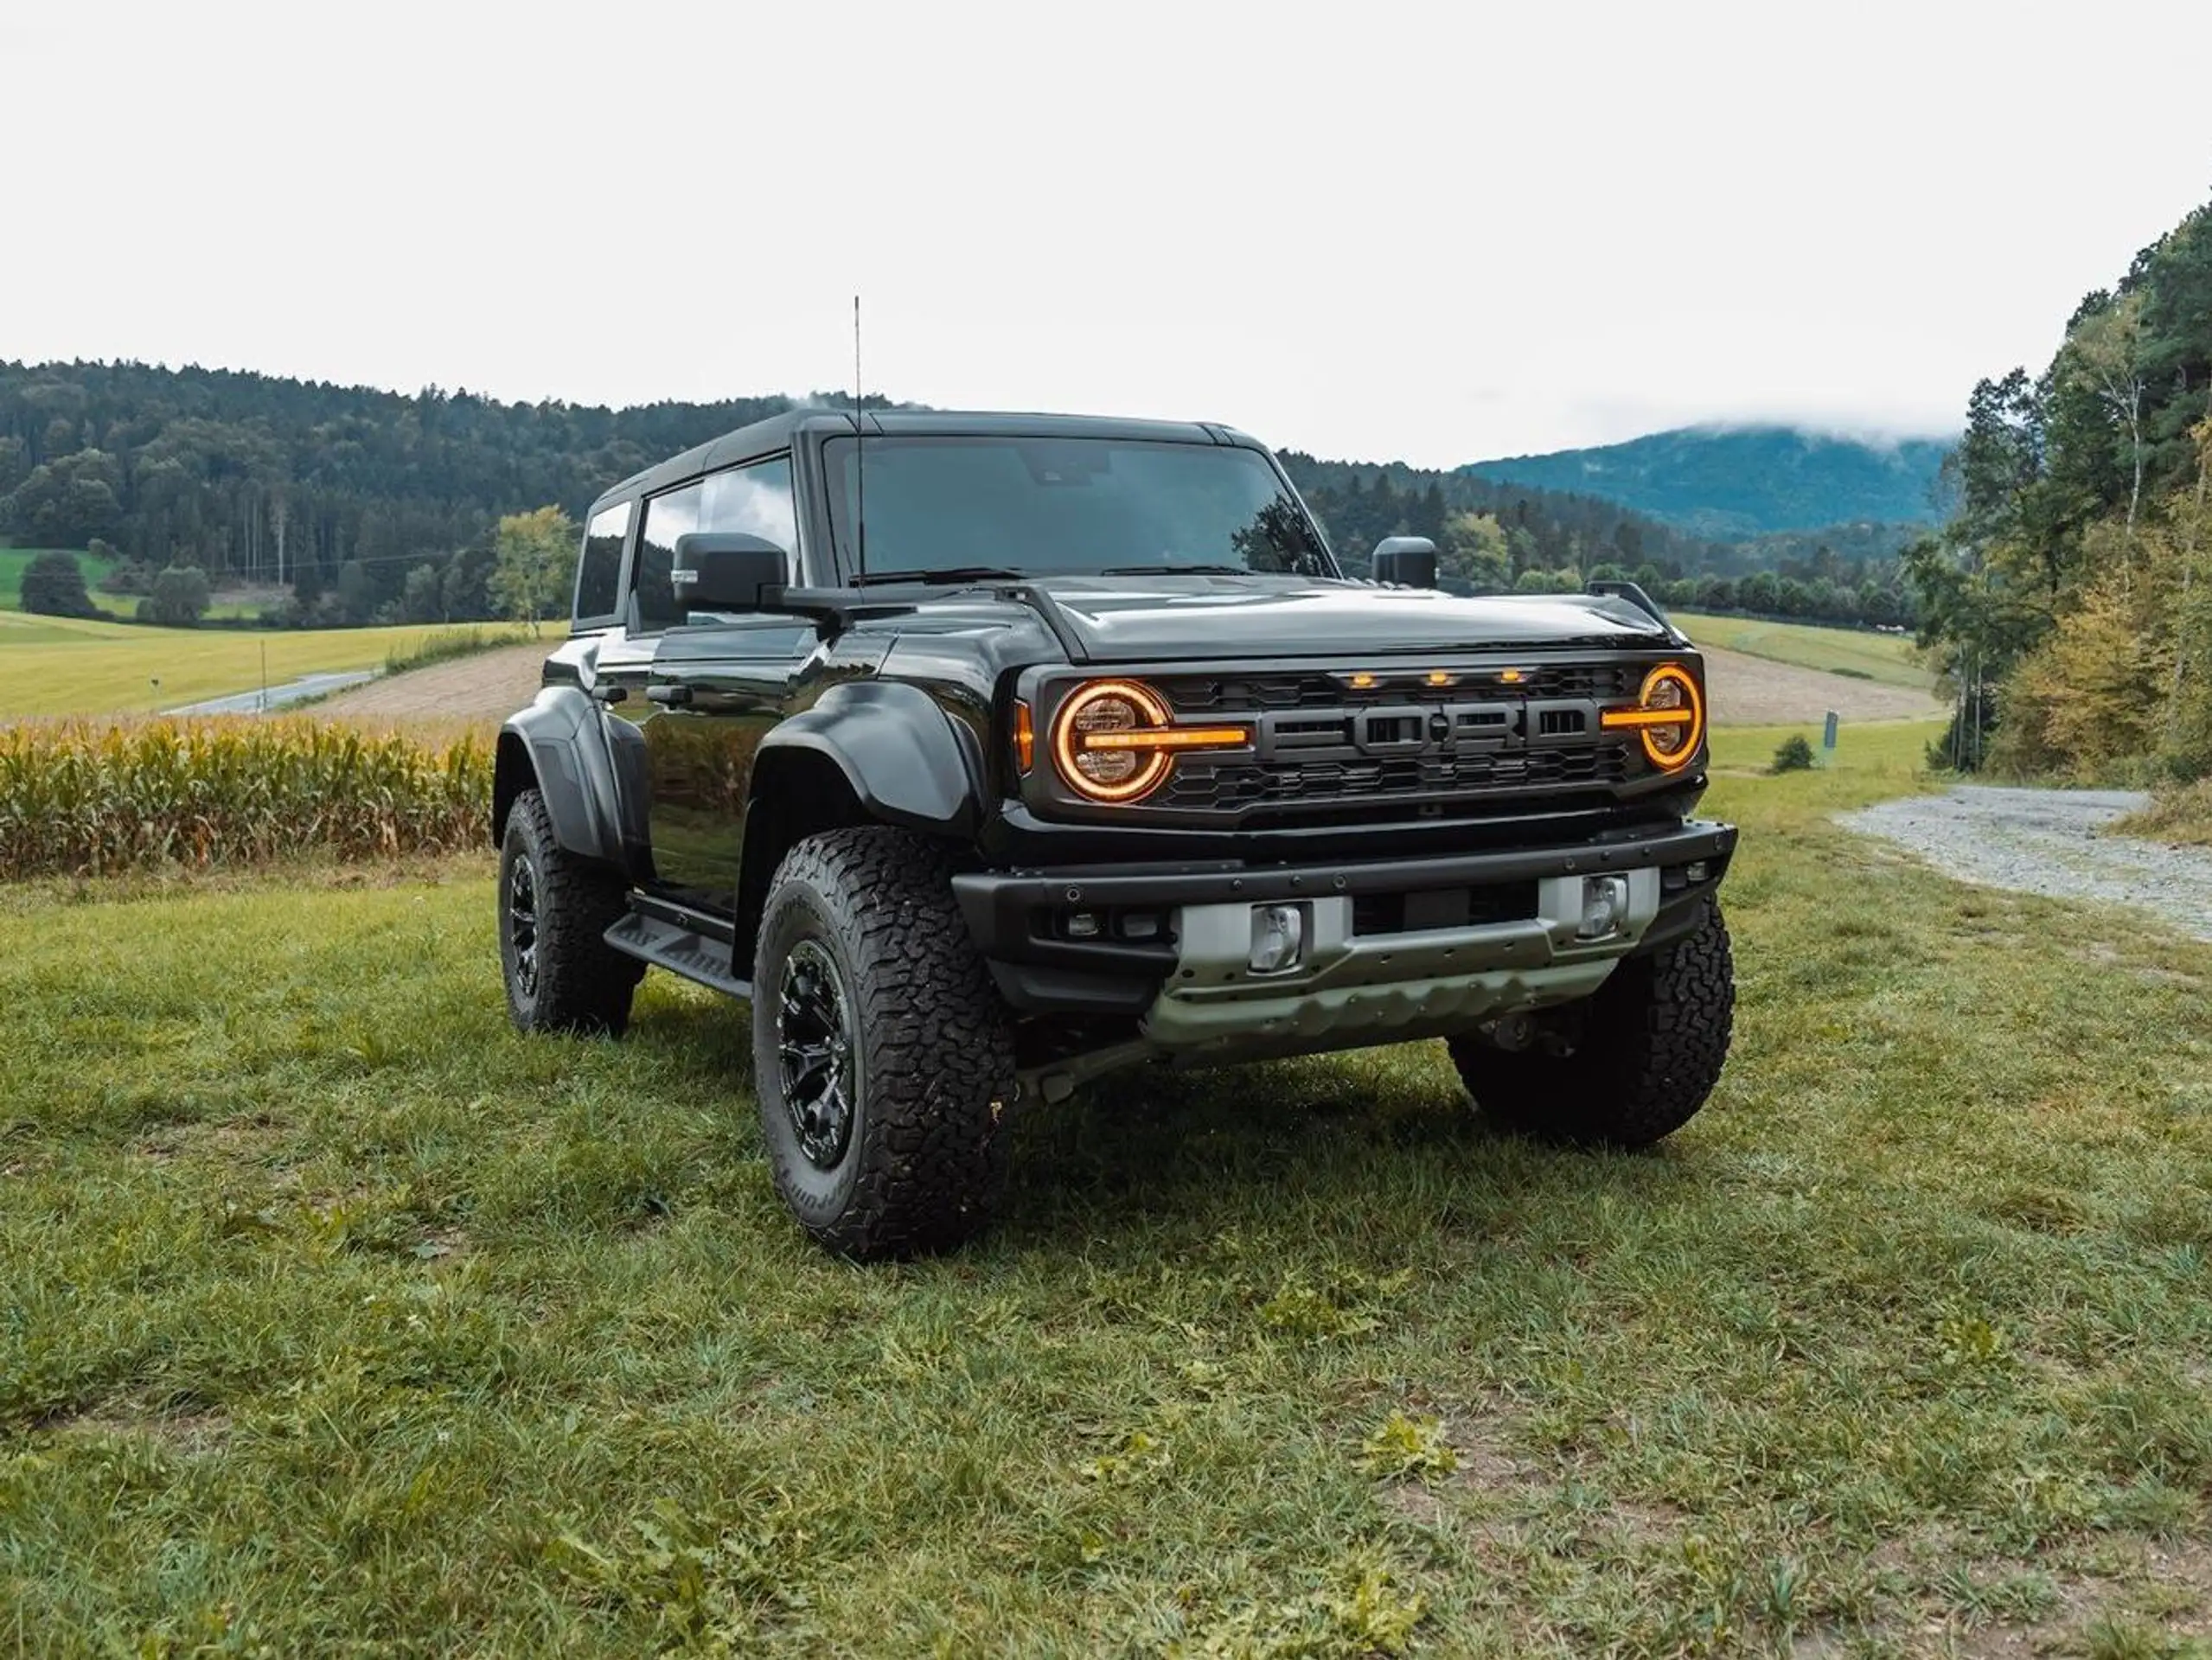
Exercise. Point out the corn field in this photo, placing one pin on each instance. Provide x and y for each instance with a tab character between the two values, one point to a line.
87	798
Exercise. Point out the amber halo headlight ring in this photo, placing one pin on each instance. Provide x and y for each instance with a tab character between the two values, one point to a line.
1669	717
1114	741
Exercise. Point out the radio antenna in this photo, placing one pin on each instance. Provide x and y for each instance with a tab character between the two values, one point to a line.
859	450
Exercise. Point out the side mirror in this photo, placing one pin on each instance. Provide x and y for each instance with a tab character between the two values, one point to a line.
1407	561
726	570
1634	594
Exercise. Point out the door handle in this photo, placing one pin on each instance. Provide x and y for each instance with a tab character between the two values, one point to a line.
674	697
605	694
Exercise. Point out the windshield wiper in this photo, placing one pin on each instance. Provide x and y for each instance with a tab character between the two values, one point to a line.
1181	571
946	573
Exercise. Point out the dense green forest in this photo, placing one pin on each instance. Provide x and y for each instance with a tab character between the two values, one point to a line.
2070	597
373	506
1749	480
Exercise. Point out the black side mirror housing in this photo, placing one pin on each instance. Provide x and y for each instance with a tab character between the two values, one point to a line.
1406	561
724	571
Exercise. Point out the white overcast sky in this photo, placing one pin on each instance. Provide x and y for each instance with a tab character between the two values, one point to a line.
1435	232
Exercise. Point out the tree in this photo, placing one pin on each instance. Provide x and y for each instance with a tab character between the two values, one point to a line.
179	599
54	586
536	556
421	601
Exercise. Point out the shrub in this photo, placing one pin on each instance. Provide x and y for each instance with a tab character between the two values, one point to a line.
1795	754
82	798
54	586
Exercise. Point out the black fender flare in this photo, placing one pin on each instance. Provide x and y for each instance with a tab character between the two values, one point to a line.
907	761
559	744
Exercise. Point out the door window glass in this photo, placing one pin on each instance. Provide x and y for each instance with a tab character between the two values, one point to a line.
755	499
667	517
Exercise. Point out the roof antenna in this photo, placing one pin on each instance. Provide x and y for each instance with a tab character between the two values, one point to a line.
860	450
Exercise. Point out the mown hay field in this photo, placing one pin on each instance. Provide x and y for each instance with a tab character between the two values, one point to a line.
66	665
1886	659
340	1318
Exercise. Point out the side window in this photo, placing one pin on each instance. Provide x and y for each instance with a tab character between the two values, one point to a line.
755	499
667	517
598	573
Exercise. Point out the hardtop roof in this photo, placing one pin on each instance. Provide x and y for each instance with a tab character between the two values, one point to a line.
781	432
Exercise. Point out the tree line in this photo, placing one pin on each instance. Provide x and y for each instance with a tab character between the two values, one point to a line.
2070	599
366	506
1494	538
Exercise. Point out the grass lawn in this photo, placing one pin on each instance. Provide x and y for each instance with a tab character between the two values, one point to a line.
1890	658
56	666
338	1317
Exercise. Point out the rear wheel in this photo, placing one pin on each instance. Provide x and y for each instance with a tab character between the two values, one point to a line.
1628	1066
555	910
881	1052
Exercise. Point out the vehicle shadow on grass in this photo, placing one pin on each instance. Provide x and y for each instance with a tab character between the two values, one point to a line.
1369	1145
1360	1147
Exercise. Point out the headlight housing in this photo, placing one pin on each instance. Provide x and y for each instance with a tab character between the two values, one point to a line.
1114	741
1669	715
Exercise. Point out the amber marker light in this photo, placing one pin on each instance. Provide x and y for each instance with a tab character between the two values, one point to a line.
1361	681
1439	677
1511	676
1025	736
1112	740
1669	717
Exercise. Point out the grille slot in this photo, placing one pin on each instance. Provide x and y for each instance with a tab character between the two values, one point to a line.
1203	785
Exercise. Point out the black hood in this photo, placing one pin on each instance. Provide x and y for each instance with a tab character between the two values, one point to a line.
1128	619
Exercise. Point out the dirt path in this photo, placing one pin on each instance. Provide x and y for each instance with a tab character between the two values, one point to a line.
2049	842
1746	691
481	690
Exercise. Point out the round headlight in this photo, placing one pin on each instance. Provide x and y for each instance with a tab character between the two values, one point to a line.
1669	717
1107	771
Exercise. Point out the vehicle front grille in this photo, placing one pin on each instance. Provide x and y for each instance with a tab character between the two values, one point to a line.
1202	785
1228	694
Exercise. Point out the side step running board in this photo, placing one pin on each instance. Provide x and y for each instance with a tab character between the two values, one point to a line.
680	951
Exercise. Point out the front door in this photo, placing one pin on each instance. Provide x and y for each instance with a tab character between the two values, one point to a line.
719	681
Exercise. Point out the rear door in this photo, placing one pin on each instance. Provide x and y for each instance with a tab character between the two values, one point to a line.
718	680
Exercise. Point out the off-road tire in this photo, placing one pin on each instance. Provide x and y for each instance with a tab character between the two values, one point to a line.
1633	1064
922	1160
578	982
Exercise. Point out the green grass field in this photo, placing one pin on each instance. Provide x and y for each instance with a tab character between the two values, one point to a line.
338	1317
1890	658
58	666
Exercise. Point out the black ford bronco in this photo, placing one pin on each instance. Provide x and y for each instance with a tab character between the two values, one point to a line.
985	754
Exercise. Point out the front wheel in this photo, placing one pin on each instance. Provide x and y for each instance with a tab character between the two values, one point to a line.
881	1052
1630	1064
555	910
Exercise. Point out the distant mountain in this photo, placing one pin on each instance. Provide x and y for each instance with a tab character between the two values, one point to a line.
1743	481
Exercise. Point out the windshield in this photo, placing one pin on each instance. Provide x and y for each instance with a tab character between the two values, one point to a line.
1045	506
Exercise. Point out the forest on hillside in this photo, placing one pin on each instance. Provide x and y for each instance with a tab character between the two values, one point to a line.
2070	597
368	506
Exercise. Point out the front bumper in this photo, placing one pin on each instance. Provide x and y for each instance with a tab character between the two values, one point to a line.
1373	971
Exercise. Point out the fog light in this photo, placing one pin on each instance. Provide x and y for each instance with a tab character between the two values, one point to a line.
1695	870
1139	925
1605	901
1278	936
1082	925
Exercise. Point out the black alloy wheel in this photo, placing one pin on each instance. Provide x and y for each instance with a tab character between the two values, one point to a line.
816	1047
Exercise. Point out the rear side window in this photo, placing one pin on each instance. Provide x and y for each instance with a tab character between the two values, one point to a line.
598	573
667	517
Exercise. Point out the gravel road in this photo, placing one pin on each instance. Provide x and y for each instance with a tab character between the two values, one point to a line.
2050	842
